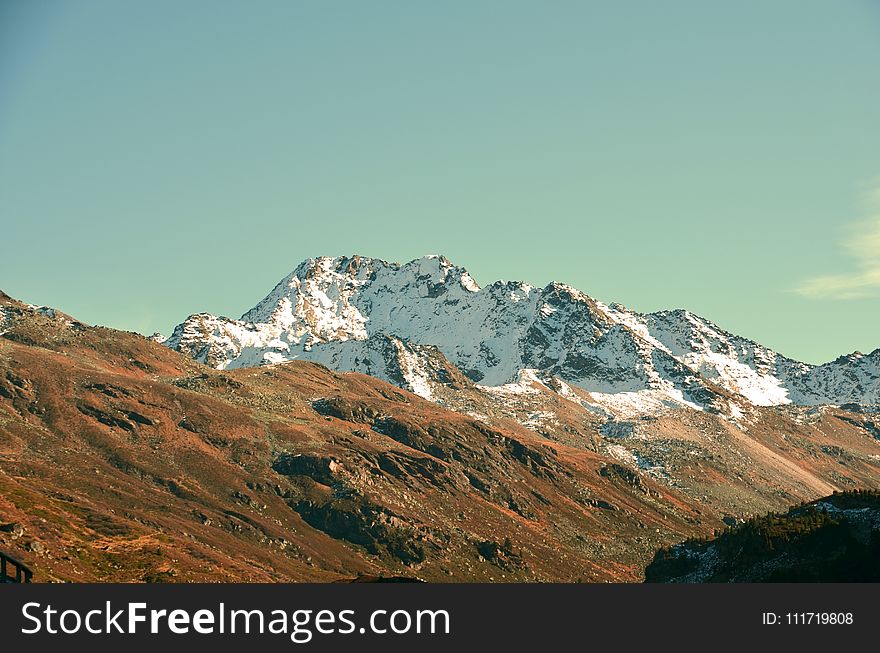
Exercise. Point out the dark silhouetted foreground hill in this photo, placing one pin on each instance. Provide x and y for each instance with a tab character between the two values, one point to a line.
835	539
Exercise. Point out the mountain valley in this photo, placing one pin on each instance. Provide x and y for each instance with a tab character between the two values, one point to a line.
369	420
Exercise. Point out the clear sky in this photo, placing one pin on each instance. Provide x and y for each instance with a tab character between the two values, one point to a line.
160	158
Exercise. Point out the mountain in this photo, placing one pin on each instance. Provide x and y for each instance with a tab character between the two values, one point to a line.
124	460
835	539
397	322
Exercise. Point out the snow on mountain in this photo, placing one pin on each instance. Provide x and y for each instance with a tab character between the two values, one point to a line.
737	364
5	320
854	378
403	323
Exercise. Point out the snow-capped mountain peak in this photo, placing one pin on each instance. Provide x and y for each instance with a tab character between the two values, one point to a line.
369	315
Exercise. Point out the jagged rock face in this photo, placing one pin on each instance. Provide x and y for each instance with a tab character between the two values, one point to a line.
854	378
399	323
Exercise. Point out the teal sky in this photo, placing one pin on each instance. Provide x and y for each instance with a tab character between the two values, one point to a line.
160	158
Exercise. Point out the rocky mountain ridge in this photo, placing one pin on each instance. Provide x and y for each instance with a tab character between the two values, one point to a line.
396	321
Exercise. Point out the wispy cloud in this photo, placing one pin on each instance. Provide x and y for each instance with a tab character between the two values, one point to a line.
863	248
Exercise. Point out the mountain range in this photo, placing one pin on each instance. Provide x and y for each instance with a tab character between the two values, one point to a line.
368	420
406	323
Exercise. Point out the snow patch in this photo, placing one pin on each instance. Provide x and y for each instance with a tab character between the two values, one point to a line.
45	311
5	320
644	402
525	383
